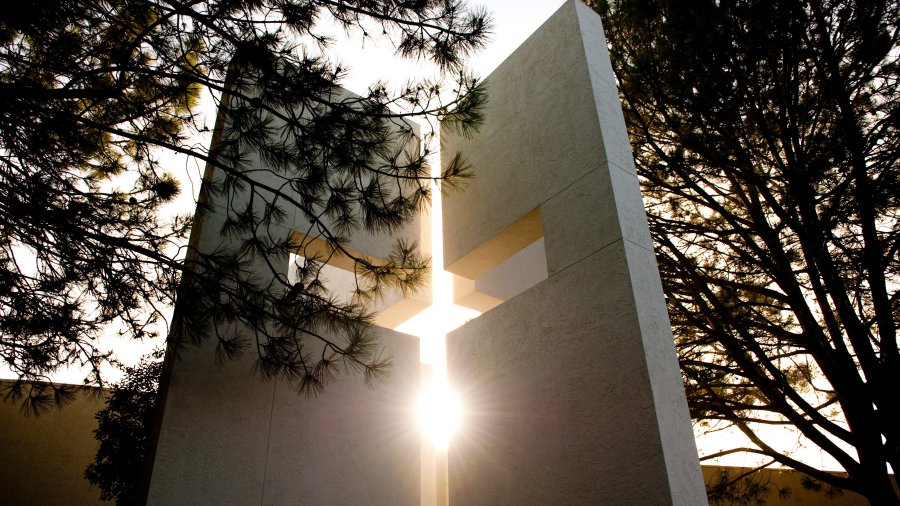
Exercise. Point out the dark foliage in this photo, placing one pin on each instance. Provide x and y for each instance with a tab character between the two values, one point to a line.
745	488
767	137
96	94
123	431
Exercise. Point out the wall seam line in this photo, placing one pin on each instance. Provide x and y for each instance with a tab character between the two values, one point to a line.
598	250
262	492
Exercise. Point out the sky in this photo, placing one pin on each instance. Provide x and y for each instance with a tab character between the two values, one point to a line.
514	21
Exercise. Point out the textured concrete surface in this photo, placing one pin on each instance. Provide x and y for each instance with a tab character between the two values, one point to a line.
229	438
571	388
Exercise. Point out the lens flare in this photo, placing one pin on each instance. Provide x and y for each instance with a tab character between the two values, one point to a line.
439	413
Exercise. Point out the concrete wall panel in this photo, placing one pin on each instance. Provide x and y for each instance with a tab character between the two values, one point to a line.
44	457
230	438
213	441
572	388
351	445
558	402
540	134
227	437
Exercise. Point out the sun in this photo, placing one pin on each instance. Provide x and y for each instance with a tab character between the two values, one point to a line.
439	413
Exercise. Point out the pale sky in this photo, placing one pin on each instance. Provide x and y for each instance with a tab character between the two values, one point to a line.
514	21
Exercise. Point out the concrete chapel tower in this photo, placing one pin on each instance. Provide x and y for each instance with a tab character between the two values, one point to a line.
569	380
572	386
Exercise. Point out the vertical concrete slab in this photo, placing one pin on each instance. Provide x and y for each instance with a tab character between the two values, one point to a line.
213	441
540	134
353	444
228	437
572	388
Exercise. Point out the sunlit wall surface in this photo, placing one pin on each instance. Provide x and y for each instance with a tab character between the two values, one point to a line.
571	388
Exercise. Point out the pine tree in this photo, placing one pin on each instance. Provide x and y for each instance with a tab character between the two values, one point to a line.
123	432
97	92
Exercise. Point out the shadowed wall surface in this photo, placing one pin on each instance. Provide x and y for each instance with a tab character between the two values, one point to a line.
228	437
786	487
44	457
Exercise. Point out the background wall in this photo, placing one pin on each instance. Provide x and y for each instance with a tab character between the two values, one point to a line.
785	487
43	458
